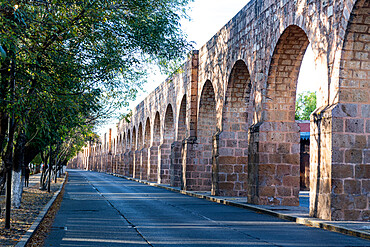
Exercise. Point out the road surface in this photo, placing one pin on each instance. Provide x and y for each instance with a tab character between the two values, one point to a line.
103	210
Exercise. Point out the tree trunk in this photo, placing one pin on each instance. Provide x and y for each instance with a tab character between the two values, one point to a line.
50	167
18	166
17	188
44	171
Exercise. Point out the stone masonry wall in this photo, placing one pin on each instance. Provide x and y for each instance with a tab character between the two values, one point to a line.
231	125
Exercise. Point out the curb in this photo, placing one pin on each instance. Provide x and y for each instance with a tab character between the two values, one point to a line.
28	235
312	222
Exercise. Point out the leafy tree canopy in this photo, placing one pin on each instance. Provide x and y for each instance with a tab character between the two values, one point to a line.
305	105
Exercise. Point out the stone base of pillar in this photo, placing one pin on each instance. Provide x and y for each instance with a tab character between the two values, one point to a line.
144	164
194	174
273	164
137	166
340	164
176	164
153	164
131	164
164	152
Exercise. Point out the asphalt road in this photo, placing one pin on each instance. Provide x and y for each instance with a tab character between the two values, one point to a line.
102	210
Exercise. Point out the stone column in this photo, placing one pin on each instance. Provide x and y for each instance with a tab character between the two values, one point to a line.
137	166
144	164
340	163
153	163
108	167
190	176
176	164
164	153
130	161
273	164
232	163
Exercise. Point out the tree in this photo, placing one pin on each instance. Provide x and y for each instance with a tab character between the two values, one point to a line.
62	61
305	105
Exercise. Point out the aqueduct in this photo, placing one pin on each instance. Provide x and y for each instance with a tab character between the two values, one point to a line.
226	123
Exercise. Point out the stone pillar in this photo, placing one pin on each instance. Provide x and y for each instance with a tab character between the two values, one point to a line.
137	166
233	163
120	164
108	167
125	164
153	163
176	164
130	161
340	163
190	176
144	164
273	164
164	152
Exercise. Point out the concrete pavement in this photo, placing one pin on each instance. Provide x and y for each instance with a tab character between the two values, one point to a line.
102	210
298	214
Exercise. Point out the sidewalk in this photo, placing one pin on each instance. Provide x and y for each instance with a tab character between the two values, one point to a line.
34	180
299	215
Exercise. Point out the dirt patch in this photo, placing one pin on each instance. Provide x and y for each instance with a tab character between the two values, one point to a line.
33	201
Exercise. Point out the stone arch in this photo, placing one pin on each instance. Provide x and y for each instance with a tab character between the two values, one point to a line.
165	147
133	162
273	169
233	140
169	126
124	142
138	159
129	158
181	123
339	171
283	75
207	123
144	152
133	146
156	130
140	137
147	134
154	158
128	142
176	147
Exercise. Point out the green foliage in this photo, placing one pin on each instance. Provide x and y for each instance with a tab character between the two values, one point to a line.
305	105
65	65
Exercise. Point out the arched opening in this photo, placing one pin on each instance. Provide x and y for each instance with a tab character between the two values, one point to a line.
306	92
165	147
138	163
140	137
124	143
134	147
129	162
144	152
154	159
119	144
181	123
156	130
128	142
176	147
206	130
233	140
169	127
275	180
147	133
